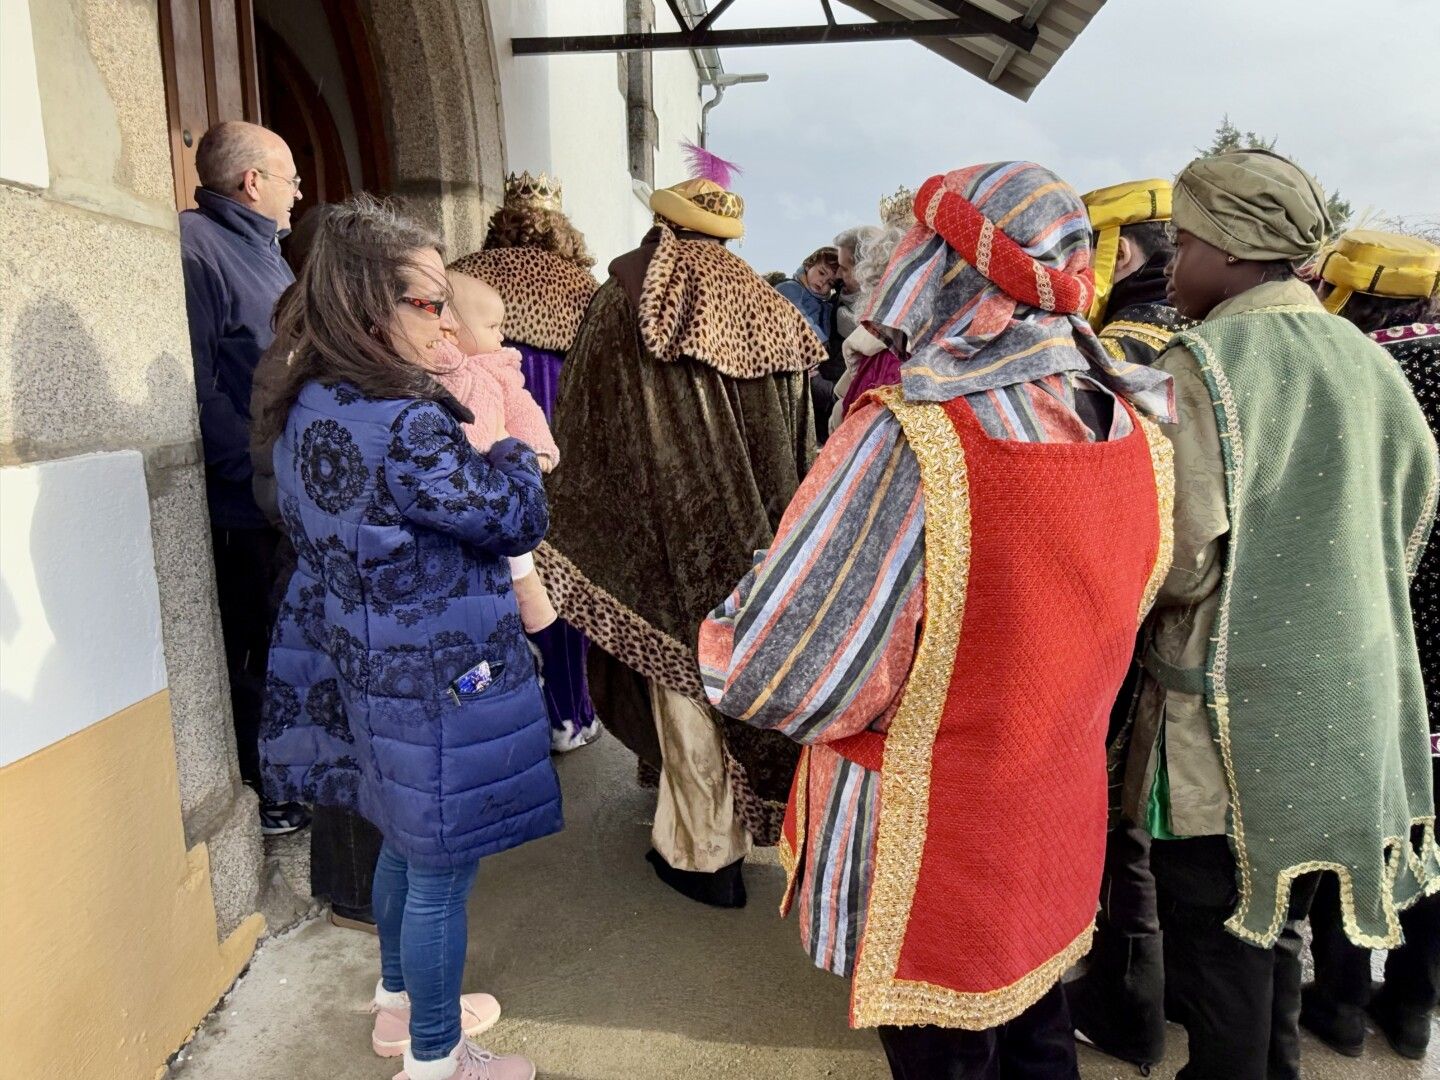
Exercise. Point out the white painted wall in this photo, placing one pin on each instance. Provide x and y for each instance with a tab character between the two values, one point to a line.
565	115
79	604
23	159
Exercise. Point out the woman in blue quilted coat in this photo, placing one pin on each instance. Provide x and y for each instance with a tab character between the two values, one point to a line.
400	680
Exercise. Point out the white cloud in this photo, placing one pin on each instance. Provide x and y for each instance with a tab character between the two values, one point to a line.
1348	89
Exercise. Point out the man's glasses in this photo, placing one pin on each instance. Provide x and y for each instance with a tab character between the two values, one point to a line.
293	181
434	307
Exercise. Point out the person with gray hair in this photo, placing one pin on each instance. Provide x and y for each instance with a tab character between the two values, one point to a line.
234	274
869	360
850	247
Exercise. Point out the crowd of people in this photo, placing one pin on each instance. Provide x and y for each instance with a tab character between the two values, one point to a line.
1090	654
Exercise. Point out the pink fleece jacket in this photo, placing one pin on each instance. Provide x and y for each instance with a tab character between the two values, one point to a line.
492	386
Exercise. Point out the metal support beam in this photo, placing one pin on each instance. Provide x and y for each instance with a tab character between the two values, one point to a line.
1028	20
974	23
715	13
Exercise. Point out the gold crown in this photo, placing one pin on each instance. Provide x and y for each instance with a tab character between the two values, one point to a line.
898	209
540	191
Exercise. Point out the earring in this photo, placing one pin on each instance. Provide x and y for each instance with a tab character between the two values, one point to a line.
1231	259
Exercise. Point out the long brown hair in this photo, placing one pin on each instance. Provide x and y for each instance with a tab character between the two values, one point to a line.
533	227
334	323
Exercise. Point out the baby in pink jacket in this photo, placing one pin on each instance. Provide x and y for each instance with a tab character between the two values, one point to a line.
485	377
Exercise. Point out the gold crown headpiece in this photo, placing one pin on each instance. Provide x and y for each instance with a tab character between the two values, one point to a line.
540	191
898	209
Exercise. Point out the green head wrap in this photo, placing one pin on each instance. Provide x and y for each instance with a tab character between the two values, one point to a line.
1252	204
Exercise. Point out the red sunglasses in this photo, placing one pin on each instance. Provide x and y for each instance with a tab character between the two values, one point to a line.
434	307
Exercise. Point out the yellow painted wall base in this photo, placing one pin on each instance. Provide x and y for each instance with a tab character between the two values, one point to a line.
108	957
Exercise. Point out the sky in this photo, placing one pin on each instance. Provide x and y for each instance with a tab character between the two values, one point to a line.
1350	90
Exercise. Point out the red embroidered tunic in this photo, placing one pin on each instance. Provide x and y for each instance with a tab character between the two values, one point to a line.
1040	559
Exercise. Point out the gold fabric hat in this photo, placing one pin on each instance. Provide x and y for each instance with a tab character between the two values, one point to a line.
1111	209
702	206
1380	263
540	192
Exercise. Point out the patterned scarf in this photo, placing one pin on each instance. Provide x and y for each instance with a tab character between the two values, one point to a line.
991	287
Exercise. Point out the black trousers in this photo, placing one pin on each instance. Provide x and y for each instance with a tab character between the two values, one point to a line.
246	569
1239	1003
1039	1044
1119	999
822	400
343	850
1127	889
1412	972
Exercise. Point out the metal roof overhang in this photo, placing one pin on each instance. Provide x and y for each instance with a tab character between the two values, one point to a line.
1011	44
1017	71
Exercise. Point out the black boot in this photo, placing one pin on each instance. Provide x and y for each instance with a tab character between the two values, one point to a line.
1339	1026
723	888
1118	1003
1407	1031
1332	1008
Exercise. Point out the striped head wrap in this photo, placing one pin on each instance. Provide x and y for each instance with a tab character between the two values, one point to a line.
992	286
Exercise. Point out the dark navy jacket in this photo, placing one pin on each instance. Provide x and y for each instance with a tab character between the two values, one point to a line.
402	530
233	275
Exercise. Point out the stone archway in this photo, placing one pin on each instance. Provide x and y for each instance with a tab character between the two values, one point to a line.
442	101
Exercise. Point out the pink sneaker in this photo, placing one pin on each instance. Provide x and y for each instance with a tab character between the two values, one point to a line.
478	1014
472	1063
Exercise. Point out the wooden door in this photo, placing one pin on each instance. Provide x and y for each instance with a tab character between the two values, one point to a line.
297	112
207	48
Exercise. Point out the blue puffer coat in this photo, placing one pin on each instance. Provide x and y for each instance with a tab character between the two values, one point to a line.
401	529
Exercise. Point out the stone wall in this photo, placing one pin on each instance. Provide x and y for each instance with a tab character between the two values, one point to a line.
442	94
94	355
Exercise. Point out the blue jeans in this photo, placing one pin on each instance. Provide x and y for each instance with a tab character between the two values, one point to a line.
420	913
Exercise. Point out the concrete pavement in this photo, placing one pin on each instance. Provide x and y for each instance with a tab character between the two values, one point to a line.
604	974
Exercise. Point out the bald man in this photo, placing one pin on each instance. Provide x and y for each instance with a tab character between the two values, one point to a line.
234	274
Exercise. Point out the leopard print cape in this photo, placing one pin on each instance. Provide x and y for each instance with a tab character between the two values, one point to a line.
616	628
545	296
625	635
703	301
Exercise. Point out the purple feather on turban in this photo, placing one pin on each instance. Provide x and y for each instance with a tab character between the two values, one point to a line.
707	166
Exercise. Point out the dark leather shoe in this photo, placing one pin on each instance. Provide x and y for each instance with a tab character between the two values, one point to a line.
353	919
1340	1027
723	888
1407	1031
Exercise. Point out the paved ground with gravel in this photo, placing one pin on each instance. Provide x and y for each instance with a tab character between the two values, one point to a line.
604	974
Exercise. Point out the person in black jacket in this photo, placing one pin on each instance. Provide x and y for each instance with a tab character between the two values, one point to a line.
1118	1001
234	274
